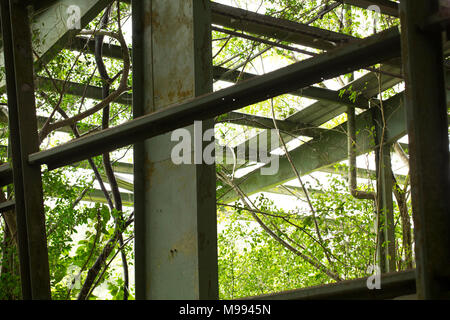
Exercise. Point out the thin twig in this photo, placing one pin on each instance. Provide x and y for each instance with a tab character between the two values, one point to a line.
305	191
246	202
123	86
105	124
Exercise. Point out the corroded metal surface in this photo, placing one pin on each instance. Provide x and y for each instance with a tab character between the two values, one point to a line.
427	122
175	204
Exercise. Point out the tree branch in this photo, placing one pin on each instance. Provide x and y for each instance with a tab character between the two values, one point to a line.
246	201
105	124
305	191
123	86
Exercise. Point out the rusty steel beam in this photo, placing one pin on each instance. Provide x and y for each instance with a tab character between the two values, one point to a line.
7	205
427	123
6	172
24	140
316	93
93	92
329	149
393	285
219	73
331	103
51	28
382	46
294	128
78	89
275	28
384	203
175	205
386	6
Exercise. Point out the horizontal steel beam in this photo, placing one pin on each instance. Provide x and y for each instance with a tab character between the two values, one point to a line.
271	43
84	44
80	43
293	191
92	92
294	128
7	205
354	56
52	30
393	285
219	73
275	28
78	89
118	167
41	120
367	87
322	94
99	196
329	149
93	196
360	172
250	22
386	6
127	168
6	176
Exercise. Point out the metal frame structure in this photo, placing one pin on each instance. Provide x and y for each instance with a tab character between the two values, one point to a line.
420	44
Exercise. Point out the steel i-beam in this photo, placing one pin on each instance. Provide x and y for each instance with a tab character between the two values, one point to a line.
427	123
384	202
176	238
24	141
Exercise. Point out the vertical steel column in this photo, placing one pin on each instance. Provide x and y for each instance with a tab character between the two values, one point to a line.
176	237
139	75
385	209
24	140
427	123
21	221
384	202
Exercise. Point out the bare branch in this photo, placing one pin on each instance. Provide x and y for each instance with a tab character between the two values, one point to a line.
305	191
246	202
123	85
